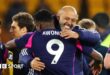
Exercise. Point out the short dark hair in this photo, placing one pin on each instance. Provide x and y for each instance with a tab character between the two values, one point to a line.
24	20
43	15
101	20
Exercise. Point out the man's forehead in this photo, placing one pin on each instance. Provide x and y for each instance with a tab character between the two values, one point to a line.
14	24
70	14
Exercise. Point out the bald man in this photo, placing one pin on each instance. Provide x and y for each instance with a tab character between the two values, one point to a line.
68	16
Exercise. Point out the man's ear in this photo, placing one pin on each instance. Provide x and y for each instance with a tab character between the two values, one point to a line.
24	29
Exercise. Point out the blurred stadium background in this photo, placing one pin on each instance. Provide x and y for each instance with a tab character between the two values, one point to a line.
85	8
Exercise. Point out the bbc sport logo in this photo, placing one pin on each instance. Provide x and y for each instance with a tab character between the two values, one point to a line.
5	66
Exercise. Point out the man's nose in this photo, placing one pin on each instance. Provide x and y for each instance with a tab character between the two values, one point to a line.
69	22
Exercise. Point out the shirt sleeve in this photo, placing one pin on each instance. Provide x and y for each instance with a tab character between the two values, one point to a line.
25	57
20	43
87	37
87	50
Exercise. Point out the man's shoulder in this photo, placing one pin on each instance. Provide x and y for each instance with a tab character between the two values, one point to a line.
29	33
26	36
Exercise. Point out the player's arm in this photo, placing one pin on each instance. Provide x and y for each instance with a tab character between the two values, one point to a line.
93	53
97	59
19	43
84	36
10	44
36	64
97	56
96	67
27	59
107	60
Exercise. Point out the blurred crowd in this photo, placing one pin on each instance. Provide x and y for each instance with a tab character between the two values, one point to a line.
96	10
85	8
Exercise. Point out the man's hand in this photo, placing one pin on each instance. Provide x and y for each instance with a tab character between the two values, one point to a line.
96	69
36	64
68	33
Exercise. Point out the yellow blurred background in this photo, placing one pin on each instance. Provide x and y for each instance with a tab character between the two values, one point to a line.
85	8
